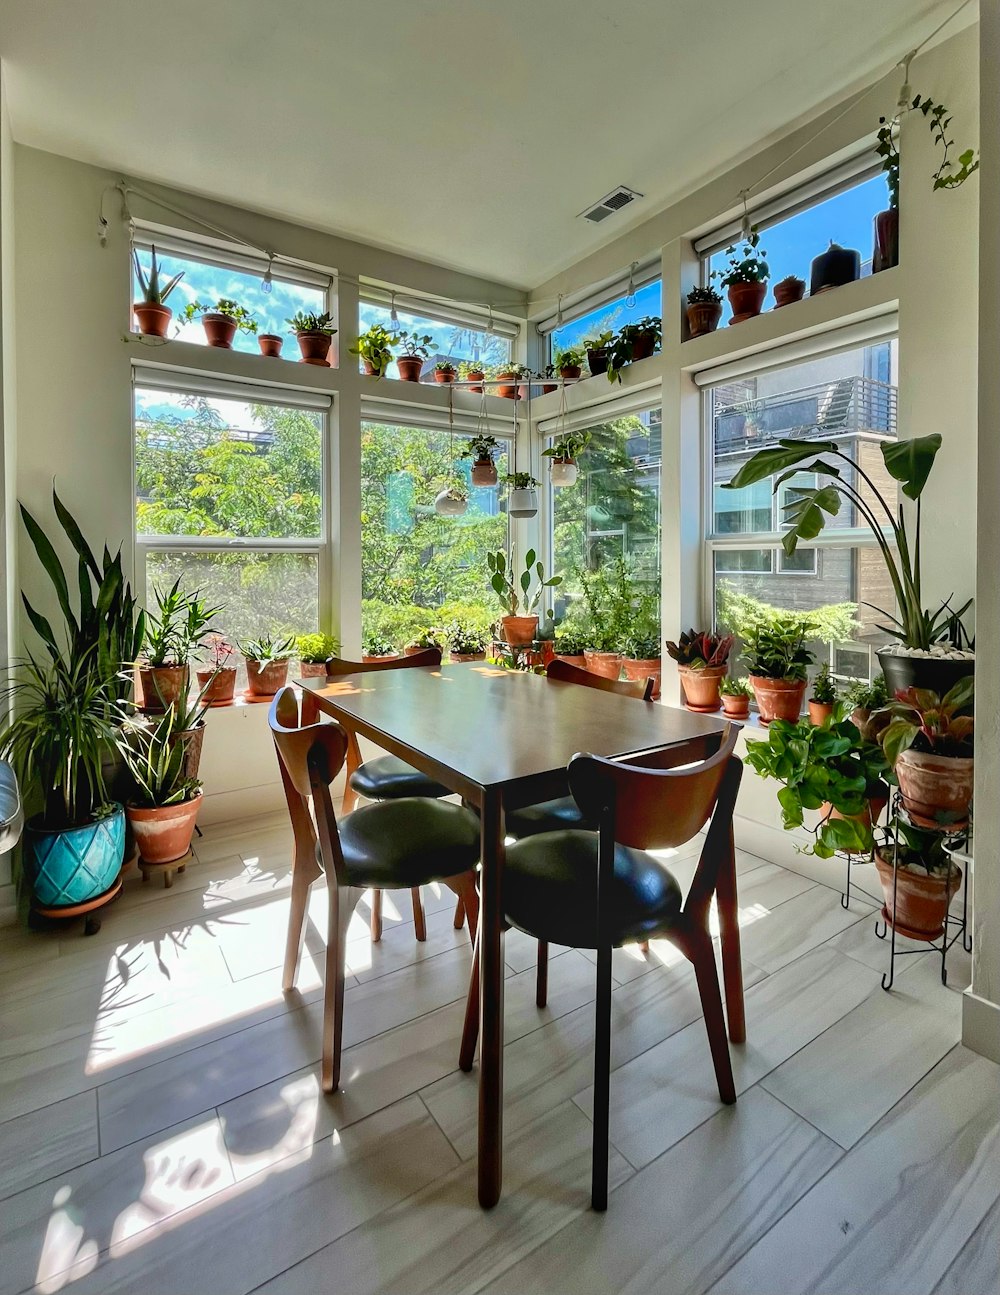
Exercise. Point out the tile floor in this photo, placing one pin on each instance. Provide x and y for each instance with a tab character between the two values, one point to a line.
162	1128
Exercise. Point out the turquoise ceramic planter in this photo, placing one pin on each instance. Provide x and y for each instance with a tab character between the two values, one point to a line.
77	864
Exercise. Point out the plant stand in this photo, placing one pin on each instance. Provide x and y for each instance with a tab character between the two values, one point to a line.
166	869
39	917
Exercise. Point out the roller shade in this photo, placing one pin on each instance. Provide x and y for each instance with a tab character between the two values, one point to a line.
447	313
403	413
573	306
200	384
231	258
604	411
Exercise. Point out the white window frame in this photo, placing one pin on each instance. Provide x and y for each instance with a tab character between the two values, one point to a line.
576	305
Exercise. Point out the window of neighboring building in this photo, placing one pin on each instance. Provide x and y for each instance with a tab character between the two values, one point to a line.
450	341
609	318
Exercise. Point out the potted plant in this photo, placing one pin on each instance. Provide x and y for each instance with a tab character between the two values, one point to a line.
453	500
217	679
509	376
790	288
444	371
865	701
376	647
614	609
173	632
267	664
520	622
597	352
704	310
222	321
522	498
736	694
778	663
465	642
314	334
745	277
928	743
165	805
641	660
374	349
313	651
702	661
570	646
634	342
473	372
925	879
415	350
564	453
423	640
929	651
569	362
823	696
829	769
886	251
152	315
270	344
482	449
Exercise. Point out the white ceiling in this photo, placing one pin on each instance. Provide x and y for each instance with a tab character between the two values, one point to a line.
465	132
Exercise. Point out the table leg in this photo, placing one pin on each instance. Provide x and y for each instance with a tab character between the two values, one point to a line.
491	1003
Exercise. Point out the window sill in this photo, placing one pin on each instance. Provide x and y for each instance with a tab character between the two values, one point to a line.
595	390
242	366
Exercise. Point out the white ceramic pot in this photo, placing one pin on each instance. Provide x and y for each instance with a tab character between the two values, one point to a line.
523	503
564	472
449	505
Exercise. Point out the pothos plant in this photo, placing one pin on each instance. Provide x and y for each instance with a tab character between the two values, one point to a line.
568	447
521	481
481	446
242	317
512	592
375	348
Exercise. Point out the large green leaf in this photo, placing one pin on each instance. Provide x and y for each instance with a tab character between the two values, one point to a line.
805	512
74	534
53	567
910	461
786	454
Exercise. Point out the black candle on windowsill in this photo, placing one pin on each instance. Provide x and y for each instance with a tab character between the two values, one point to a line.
835	266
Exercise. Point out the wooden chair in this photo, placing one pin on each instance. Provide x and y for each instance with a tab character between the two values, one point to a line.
386	777
401	843
600	891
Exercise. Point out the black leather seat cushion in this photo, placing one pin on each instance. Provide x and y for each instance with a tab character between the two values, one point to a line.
550	890
403	843
389	778
548	816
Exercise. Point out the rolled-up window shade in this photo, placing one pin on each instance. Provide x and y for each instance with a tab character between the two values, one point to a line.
231	258
600	295
199	384
446	313
405	414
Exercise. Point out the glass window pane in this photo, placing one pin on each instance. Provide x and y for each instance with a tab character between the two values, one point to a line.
452	342
609	318
208	283
225	468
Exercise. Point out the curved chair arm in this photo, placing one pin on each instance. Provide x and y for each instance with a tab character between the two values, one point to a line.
11	809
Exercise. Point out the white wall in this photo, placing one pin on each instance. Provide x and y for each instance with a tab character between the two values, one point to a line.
8	416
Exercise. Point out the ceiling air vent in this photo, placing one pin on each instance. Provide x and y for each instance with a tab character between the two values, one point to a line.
610	203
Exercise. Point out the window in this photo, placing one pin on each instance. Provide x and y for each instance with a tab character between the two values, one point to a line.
846	218
209	275
831	398
610	317
229	498
419	569
453	341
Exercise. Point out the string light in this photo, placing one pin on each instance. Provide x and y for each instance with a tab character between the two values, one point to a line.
630	295
392	308
905	90
559	314
265	283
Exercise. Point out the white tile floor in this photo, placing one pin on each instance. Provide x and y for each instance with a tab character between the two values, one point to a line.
162	1128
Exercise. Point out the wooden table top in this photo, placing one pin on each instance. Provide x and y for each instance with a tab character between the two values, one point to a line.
495	727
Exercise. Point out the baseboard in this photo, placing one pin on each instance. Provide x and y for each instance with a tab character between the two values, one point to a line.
981	1025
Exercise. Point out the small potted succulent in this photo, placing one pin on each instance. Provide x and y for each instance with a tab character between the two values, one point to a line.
376	647
314	334
641	660
313	651
415	350
465	643
928	743
509	378
217	679
823	696
634	342
702	661
473	372
445	371
569	362
571	646
267	664
152	315
482	449
522	500
790	288
736	694
222	321
374	349
745	277
165	804
778	664
520	622
704	310
925	882
564	453
423	640
597	352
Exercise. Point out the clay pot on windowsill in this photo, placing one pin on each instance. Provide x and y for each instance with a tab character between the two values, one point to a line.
789	290
508	387
476	376
265	678
163	686
643	346
519	631
597	360
153	319
312	669
819	712
222	687
639	669
409	367
703	317
270	344
459	657
444	375
484	472
746	300
701	687
570	372
219	330
778	698
886	253
164	833
315	347
735	707
606	664
921	900
572	659
936	789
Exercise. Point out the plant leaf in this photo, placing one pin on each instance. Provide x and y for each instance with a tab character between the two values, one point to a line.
805	514
910	461
786	454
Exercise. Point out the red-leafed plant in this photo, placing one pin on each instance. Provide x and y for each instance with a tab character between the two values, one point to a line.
701	649
923	720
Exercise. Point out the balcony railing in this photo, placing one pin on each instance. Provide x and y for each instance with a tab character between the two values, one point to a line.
843	407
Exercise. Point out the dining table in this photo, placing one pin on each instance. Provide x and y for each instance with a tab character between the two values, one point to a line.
502	739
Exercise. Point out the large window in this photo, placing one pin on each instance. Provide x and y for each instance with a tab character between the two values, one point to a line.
829	398
420	570
609	318
229	497
452	341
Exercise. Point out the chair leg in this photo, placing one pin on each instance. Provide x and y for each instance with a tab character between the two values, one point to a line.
644	946
376	916
460	914
341	907
542	974
602	1082
419	925
703	957
470	1030
729	931
301	886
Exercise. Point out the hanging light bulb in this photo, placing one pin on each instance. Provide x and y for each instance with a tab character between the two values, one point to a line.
630	295
394	318
489	325
905	90
746	229
265	283
559	317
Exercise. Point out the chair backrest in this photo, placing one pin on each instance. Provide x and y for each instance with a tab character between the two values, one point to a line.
337	666
641	688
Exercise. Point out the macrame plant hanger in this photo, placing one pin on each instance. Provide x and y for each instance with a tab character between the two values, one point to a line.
453	500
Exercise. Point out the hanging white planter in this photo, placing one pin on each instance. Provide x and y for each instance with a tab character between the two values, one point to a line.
451	503
523	502
564	472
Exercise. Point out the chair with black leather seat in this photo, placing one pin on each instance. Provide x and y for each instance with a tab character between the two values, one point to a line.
601	890
393	844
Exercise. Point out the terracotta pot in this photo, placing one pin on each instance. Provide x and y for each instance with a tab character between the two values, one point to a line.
788	291
153	320
870	815
265	678
458	657
549	386
165	833
643	346
312	669
412	649
701	687
820	712
368	367
444	375
315	347
936	789
703	317
746	300
606	664
270	344
409	367
778	698
597	360
507	389
921	902
484	472
638	670
476	376
221	689
572	659
390	656
571	371
886	253
564	472
519	631
219	330
194	741
736	707
163	686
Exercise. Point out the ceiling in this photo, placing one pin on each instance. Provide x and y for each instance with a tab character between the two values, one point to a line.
469	134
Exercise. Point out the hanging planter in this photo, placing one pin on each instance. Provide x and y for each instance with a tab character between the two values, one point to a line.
451	502
564	453
481	449
564	472
522	499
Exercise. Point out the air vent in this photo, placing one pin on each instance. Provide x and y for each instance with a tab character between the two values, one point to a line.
610	203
